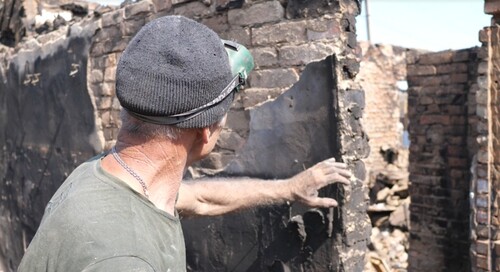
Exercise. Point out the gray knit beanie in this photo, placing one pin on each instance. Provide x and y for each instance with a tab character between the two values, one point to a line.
172	66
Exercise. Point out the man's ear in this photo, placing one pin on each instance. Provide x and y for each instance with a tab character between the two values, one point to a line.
205	134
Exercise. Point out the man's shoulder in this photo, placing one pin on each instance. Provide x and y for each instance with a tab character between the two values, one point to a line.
85	230
94	206
96	217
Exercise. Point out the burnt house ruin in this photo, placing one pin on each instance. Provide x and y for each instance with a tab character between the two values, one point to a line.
302	106
315	93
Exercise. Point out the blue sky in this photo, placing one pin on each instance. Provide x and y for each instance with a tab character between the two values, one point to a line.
424	24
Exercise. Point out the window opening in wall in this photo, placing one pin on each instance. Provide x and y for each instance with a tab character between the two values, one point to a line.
402	86
406	139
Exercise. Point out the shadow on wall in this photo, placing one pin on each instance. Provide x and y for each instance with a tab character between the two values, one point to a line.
293	132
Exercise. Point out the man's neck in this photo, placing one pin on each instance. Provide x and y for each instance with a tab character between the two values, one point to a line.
160	164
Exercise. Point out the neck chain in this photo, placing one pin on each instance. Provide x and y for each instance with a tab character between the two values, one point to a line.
130	171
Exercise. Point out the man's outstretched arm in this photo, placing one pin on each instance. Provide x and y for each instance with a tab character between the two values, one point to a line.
217	196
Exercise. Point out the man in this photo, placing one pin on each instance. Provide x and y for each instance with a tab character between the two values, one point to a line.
120	210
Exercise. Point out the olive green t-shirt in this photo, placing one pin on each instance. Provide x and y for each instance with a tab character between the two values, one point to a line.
95	222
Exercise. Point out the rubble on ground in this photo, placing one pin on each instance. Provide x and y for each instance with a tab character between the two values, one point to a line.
389	213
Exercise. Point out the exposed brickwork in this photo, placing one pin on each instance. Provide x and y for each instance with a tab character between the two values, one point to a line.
485	216
384	101
442	127
281	47
481	254
494	150
492	7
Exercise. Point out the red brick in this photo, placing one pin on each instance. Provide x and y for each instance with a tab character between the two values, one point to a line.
162	5
494	221
421	70
483	36
434	119
482	262
459	78
239	34
271	11
493	36
454	150
456	140
217	23
458	120
319	29
492	7
482	231
482	217
437	58
433	108
497	264
112	18
282	32
133	10
461	56
482	247
429	81
425	100
304	54
454	109
452	68
483	53
482	201
496	247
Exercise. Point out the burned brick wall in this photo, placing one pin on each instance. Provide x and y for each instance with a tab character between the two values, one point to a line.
383	77
494	143
288	237
442	106
302	97
48	128
485	223
383	67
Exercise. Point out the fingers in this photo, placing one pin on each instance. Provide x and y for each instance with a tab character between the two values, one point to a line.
335	171
339	179
331	162
334	175
320	202
329	166
342	172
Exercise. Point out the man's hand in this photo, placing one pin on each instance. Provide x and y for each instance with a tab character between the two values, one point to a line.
305	185
218	196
